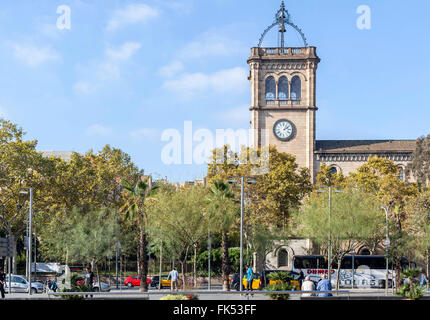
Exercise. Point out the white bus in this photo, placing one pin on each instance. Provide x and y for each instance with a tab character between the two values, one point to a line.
369	271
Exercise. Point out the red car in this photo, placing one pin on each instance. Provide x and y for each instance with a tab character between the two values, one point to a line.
134	281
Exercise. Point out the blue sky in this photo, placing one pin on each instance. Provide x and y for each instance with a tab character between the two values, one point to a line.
127	70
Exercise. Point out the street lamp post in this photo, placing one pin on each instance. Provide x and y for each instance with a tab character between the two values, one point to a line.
387	245
209	259
242	208
209	251
30	221
329	228
118	248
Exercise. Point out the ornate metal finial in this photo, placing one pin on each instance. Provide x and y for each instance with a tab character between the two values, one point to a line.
282	18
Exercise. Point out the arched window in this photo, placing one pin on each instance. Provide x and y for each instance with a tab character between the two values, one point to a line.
270	90
333	170
401	173
364	252
296	88
283	90
282	258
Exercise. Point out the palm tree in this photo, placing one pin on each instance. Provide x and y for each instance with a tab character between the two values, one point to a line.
222	208
134	209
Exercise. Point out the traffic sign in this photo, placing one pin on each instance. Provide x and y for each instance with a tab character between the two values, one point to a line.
6	247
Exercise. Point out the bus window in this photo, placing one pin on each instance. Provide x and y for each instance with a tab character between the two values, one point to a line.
305	263
346	263
322	263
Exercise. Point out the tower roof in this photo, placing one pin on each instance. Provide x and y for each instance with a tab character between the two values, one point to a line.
283	18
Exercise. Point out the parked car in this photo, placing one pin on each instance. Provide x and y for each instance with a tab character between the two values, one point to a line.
20	284
103	286
134	281
164	282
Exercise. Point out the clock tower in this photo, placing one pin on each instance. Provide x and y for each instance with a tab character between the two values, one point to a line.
283	103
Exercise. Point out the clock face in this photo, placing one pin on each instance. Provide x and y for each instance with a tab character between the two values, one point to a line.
283	130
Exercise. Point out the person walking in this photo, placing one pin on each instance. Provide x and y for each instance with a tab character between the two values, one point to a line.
249	279
89	279
423	278
301	278
308	285
324	285
2	282
173	277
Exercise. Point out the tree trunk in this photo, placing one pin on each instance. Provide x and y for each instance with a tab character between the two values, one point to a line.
14	258
225	263
98	277
138	261
339	261
398	269
195	266
428	267
143	258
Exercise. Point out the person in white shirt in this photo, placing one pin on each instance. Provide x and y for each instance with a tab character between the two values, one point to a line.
173	276
308	285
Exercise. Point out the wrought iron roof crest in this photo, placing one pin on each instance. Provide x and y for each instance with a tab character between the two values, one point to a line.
282	18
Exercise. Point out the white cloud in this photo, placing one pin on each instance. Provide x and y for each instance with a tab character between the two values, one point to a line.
171	69
98	130
212	44
236	116
229	80
131	14
34	56
126	51
83	87
144	133
108	69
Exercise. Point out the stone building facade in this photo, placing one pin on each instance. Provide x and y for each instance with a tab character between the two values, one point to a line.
284	114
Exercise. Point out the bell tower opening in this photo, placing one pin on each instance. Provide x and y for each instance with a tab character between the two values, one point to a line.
283	100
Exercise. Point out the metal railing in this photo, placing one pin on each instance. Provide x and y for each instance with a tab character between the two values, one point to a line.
199	292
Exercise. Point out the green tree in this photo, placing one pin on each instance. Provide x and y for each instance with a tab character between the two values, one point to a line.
178	218
420	164
354	217
417	226
325	178
223	211
21	166
277	192
92	236
135	209
80	236
379	177
263	240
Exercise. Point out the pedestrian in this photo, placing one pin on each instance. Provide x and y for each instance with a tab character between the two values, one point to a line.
423	278
2	282
53	285
249	279
173	277
308	285
301	278
89	279
324	285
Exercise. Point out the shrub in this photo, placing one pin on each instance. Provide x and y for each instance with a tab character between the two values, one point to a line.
174	297
284	276
278	287
411	289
